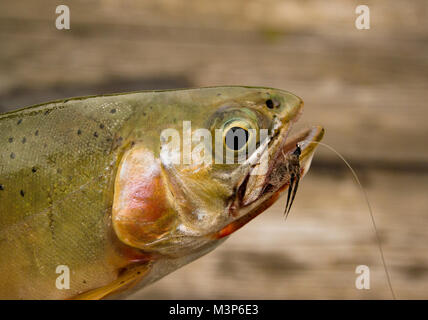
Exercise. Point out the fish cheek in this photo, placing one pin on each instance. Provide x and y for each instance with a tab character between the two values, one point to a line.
141	211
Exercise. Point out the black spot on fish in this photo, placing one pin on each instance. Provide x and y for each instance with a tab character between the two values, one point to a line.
19	122
96	134
36	133
10	140
144	114
84	281
1	187
122	282
269	103
101	126
24	140
113	111
22	193
12	155
59	170
33	169
219	94
79	132
47	112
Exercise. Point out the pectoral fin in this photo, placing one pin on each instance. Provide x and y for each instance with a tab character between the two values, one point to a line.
125	281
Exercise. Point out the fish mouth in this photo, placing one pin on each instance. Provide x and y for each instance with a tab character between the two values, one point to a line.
286	160
257	192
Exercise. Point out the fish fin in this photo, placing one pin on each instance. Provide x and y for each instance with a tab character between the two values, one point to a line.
125	281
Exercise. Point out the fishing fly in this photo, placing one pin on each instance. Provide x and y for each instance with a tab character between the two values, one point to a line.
293	166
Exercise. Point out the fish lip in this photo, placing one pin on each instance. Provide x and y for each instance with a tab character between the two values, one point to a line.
307	141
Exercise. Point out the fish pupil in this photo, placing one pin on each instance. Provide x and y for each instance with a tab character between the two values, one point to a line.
236	138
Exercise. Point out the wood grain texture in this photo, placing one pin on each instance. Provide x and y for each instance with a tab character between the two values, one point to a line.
367	88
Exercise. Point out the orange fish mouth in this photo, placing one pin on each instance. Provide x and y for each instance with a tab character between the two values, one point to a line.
290	160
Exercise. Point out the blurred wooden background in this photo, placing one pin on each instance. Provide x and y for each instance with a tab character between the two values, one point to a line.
367	87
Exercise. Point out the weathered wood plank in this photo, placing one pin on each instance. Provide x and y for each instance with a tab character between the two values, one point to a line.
368	88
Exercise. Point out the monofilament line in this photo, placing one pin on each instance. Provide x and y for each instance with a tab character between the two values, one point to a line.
370	210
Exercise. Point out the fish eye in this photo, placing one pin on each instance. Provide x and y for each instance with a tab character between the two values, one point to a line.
236	138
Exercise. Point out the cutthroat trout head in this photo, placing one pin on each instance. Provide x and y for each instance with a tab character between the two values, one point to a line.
211	161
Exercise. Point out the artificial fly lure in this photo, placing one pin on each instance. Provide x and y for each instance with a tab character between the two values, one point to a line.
293	164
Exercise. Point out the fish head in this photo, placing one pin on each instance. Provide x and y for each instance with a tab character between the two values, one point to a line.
228	159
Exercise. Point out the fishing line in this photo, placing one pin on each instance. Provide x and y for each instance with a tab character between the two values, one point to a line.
370	210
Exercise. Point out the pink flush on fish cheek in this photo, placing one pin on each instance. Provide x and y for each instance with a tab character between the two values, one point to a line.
141	211
145	201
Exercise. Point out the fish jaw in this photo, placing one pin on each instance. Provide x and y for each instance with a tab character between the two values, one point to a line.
250	204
